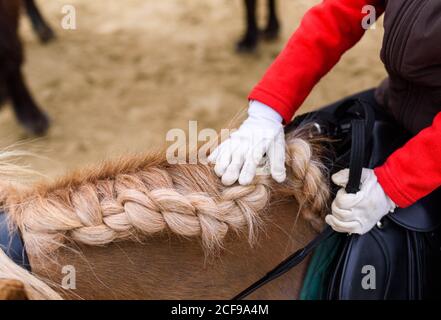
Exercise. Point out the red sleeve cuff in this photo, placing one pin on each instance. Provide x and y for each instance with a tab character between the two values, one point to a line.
392	187
274	102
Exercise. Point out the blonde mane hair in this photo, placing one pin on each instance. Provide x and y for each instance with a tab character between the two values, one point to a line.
136	196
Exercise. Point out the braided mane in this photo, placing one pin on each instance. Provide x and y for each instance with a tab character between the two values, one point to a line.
144	195
132	197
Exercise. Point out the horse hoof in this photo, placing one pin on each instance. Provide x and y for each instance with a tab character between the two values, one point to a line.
37	125
270	33
247	45
45	34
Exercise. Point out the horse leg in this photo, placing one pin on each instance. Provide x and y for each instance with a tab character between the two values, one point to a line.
11	78
3	94
249	41
40	26
26	110
272	29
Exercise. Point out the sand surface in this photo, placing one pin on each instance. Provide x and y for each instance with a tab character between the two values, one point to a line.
135	69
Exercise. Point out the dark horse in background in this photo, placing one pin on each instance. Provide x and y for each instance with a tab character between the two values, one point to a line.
250	39
40	26
12	84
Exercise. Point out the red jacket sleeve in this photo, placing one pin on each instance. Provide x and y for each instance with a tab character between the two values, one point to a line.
326	32
414	170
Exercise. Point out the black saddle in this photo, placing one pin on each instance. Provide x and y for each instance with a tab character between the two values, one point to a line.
402	254
403	251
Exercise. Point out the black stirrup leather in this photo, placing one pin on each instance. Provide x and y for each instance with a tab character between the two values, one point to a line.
403	253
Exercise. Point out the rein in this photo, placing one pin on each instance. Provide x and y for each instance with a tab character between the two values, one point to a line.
12	244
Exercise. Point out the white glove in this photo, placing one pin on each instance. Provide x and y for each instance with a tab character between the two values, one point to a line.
239	156
359	212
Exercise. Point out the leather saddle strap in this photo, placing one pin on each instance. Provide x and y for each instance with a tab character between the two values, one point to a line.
358	135
356	162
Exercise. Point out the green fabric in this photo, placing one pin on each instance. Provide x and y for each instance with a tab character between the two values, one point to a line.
317	275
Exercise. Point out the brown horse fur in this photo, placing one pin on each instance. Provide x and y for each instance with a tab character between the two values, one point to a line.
142	228
12	290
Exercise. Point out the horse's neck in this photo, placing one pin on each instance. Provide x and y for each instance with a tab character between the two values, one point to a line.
165	267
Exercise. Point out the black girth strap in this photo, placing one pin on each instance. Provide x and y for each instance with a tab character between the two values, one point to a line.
12	244
359	137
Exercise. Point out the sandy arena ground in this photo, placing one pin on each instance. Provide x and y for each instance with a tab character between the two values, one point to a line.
134	69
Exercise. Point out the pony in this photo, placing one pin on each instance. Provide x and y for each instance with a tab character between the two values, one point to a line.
138	227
